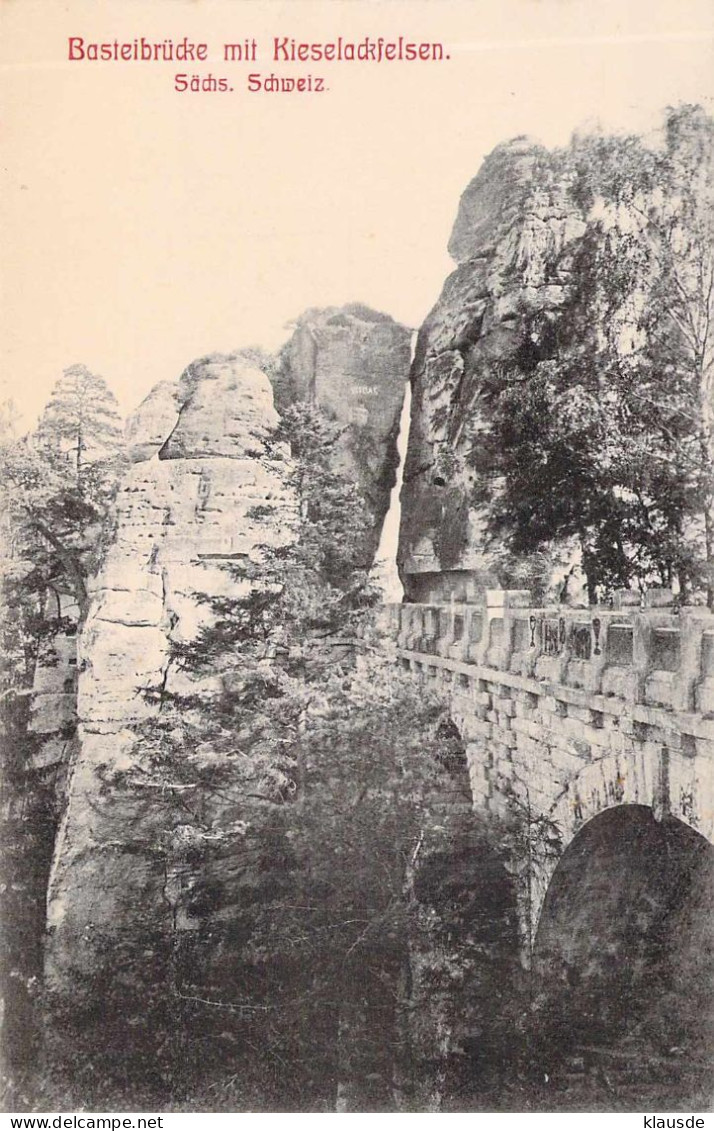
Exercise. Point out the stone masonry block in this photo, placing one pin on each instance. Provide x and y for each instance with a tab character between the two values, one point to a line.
505	706
476	753
652	749
478	729
528	727
617	743
704	697
506	737
580	713
605	739
550	722
658	598
508	598
574	728
626	599
611	722
501	756
673	739
564	761
530	748
460	702
580	750
524	709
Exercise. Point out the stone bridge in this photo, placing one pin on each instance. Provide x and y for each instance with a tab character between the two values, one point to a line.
569	714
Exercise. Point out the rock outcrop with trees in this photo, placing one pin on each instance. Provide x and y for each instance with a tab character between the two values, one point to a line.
561	418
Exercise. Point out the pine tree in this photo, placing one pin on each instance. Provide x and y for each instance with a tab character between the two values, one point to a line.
59	485
81	420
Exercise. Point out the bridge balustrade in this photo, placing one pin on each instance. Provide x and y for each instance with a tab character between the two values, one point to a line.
648	655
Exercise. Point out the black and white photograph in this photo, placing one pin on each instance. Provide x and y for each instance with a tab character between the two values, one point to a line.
357	560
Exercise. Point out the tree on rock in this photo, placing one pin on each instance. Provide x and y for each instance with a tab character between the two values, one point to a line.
59	485
600	427
80	420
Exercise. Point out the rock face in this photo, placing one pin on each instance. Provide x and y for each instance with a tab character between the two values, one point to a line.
517	226
53	712
210	497
204	490
353	363
147	428
222	413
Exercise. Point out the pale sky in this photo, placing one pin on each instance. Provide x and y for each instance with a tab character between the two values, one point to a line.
142	227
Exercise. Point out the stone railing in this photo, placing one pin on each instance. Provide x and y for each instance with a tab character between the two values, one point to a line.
651	656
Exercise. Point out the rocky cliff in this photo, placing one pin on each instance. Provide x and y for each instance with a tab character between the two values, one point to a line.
211	495
516	230
354	363
205	490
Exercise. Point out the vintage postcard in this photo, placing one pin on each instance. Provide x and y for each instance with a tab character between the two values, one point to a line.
357	473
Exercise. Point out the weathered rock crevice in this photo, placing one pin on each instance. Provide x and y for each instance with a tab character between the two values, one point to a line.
353	363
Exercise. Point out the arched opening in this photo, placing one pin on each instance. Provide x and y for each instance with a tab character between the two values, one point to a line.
623	964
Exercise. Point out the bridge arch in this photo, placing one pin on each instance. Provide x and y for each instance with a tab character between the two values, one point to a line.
623	954
668	782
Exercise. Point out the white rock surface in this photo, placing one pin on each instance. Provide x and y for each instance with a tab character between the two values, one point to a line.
181	520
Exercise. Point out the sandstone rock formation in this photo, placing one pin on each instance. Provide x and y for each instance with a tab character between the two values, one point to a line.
212	496
147	428
53	710
354	363
517	226
204	490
